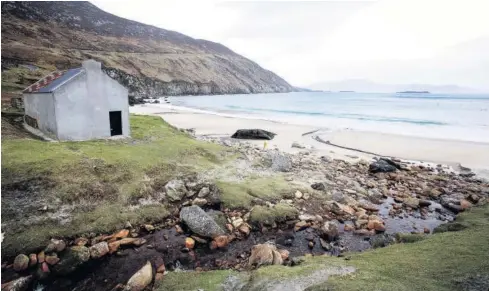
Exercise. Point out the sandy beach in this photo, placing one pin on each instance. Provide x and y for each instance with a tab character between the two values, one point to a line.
438	151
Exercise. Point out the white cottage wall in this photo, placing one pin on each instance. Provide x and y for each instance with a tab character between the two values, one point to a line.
41	106
83	105
73	112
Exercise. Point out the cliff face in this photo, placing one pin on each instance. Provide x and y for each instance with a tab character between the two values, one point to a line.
150	61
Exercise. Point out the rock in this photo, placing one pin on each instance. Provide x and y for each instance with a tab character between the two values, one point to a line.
42	271
32	260
149	227
325	245
310	244
21	262
301	225
40	257
200	222
383	166
379	226
398	200
178	229
364	232
424	203
199	201
329	231
56	245
454	207
277	258
306	196
465	204
72	259
244	229
349	227
340	209
369	207
20	284
264	254
280	161
237	222
434	193
120	234
189	243
284	254
141	279
307	217
319	186
81	241
52	259
175	190
99	250
203	192
411	202
298	145
221	241
473	198
253	134
298	194
426	230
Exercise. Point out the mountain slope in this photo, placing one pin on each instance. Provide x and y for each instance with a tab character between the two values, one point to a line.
150	61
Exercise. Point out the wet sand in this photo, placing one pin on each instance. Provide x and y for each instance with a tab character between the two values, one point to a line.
438	151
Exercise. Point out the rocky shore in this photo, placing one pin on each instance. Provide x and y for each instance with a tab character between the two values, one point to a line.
333	207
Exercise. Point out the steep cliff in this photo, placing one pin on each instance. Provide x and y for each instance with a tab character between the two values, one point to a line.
150	61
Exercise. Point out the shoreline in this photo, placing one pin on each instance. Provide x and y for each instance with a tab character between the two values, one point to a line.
417	149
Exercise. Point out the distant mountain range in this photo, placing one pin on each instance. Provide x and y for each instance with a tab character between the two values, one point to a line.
362	85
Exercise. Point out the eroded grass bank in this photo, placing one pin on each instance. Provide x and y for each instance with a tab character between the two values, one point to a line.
53	189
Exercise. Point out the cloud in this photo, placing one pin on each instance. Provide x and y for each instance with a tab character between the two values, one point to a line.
405	41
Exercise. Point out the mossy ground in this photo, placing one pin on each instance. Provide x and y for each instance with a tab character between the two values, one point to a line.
99	179
241	194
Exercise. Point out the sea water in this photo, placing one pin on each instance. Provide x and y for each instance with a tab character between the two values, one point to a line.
447	116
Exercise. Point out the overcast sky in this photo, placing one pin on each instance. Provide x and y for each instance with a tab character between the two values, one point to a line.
411	41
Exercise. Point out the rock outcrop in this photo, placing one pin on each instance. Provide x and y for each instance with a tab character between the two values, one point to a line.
148	60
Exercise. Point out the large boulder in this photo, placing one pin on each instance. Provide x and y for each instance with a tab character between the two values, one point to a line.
141	279
384	165
175	190
253	134
71	259
200	222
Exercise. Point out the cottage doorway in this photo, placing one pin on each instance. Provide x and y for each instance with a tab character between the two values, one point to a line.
115	122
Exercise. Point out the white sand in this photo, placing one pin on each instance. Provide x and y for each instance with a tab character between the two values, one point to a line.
451	152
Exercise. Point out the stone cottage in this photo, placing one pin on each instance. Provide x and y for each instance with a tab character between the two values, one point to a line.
78	104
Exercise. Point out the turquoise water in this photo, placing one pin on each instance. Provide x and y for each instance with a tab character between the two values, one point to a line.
456	116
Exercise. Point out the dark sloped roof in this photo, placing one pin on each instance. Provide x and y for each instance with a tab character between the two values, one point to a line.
52	81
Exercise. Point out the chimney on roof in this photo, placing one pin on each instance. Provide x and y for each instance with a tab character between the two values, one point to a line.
92	65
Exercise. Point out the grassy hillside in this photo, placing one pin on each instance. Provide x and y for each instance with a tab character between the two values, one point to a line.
92	186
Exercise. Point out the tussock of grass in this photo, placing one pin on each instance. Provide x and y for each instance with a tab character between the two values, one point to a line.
240	195
104	175
409	237
278	213
208	281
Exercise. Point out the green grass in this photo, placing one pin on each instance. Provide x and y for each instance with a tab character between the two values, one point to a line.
102	178
185	281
